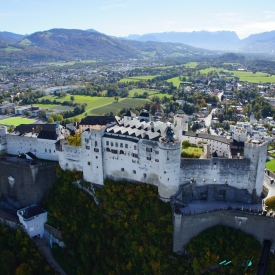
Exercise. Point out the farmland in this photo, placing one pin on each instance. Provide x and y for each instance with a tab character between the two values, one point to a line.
16	121
113	107
191	65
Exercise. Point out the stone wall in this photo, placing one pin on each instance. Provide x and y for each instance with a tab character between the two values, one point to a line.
31	182
188	227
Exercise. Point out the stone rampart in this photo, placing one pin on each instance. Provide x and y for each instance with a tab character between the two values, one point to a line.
187	227
24	182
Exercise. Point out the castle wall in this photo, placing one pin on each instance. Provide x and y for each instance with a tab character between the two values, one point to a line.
188	227
71	158
234	172
42	148
31	182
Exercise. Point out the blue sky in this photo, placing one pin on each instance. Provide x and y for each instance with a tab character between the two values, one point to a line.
124	17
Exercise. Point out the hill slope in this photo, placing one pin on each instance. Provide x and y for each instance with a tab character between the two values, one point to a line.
66	44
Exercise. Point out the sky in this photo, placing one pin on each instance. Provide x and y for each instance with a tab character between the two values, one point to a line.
124	17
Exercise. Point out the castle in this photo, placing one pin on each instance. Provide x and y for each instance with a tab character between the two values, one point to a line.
137	150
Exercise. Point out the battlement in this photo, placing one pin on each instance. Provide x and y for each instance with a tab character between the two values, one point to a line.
253	143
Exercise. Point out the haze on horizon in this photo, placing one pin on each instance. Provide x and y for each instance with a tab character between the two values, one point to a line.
124	17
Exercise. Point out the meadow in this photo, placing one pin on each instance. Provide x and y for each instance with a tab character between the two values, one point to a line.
176	81
17	121
191	65
160	95
270	165
141	91
113	107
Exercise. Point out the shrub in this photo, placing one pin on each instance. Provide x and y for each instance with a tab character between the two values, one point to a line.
270	203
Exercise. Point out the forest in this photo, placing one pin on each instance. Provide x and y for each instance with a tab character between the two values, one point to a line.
130	232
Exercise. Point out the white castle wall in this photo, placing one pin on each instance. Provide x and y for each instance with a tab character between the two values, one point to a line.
239	134
71	158
42	148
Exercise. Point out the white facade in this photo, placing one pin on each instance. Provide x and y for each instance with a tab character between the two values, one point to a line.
33	218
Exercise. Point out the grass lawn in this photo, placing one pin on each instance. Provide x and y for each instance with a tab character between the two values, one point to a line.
176	81
161	95
138	78
17	121
193	150
141	91
208	70
270	165
113	107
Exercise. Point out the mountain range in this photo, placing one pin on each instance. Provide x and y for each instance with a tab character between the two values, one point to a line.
68	44
219	40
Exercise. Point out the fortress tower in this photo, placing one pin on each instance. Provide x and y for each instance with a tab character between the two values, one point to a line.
256	151
169	164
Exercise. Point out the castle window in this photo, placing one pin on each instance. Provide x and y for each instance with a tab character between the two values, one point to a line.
107	142
96	157
89	163
134	171
116	144
156	152
50	150
134	161
164	172
108	150
148	158
126	145
114	151
95	143
134	155
122	169
144	175
46	150
87	147
121	152
112	144
96	150
148	149
156	160
135	147
121	145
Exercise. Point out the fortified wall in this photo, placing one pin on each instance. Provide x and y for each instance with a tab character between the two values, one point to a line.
25	183
187	227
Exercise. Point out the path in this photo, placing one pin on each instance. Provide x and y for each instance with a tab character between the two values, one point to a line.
43	247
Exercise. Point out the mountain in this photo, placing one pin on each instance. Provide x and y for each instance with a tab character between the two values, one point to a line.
91	30
69	44
264	36
224	40
9	37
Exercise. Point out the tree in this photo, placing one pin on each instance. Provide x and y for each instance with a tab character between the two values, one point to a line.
50	119
270	203
72	98
27	113
23	269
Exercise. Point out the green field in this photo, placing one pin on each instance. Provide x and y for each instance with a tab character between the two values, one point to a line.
17	121
270	165
258	77
141	91
113	107
176	81
160	95
191	65
137	78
